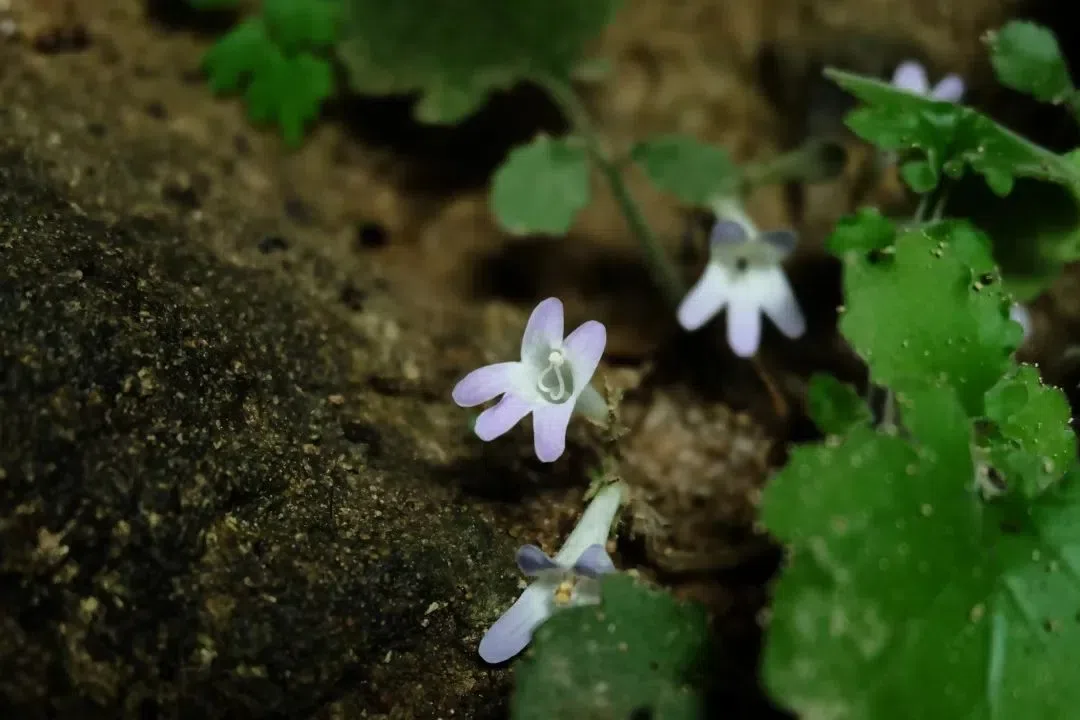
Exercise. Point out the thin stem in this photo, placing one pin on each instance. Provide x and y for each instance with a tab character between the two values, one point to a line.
660	267
814	161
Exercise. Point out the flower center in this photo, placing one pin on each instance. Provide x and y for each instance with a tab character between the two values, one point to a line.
555	382
741	264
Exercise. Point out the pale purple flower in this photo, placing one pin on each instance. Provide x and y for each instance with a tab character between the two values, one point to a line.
550	381
1022	317
911	76
745	275
571	578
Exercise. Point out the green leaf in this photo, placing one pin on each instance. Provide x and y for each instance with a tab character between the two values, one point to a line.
542	186
693	171
238	54
460	52
931	309
834	406
640	652
905	596
948	138
1034	231
302	25
1026	57
1034	444
865	231
290	91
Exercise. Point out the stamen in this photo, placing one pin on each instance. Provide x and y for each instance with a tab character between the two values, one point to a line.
564	593
557	390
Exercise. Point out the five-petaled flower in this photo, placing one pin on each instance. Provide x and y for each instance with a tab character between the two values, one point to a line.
550	381
911	76
745	273
571	578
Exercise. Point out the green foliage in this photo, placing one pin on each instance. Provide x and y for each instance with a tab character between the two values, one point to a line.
835	407
542	186
453	54
864	232
640	651
1031	439
946	139
1026	57
689	169
279	61
928	308
906	595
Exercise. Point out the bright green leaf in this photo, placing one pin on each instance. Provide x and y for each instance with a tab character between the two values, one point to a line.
237	55
693	171
834	406
929	310
949	138
459	52
1034	444
865	231
541	187
1026	57
905	596
639	652
302	25
290	91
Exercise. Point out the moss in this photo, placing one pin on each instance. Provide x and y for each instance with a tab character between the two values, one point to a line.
184	527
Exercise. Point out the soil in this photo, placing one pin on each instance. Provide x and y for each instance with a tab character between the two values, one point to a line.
234	483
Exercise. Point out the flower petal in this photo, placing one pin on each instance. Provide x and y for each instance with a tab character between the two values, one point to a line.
532	561
781	305
949	89
911	76
549	430
594	562
484	384
705	298
727	232
783	241
744	324
513	631
543	332
594	525
495	421
583	348
1022	317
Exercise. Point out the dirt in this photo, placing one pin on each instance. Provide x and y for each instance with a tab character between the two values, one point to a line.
354	280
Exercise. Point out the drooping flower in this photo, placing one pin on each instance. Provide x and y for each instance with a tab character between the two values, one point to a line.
745	274
550	381
1022	317
911	76
571	578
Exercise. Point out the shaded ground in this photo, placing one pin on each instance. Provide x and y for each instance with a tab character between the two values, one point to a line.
314	309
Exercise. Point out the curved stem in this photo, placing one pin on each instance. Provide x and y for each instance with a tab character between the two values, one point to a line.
660	267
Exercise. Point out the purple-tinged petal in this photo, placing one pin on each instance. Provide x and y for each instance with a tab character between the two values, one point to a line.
549	430
949	89
727	232
513	631
744	325
583	349
782	307
911	76
543	332
532	561
497	420
705	298
783	241
484	384
594	562
1022	317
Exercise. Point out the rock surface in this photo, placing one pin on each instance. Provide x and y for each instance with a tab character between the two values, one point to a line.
193	520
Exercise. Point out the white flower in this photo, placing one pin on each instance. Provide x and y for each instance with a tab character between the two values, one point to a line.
911	76
744	274
571	578
551	381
